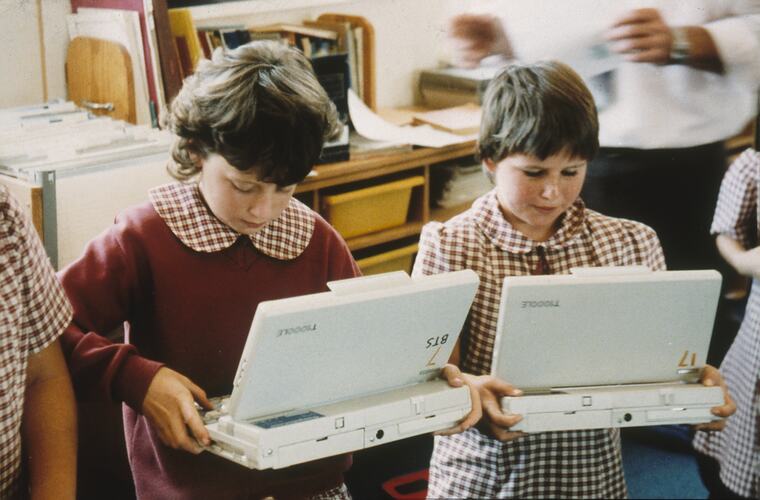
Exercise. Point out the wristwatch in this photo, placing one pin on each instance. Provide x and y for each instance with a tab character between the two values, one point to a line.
680	50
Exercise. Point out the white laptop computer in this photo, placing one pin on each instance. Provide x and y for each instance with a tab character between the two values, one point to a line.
343	370
607	347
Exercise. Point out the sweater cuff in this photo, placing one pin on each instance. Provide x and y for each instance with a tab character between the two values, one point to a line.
133	380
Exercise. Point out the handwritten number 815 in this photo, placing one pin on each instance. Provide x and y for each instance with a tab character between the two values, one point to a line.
436	341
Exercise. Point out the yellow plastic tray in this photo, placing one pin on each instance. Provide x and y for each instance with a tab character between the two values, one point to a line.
394	260
371	209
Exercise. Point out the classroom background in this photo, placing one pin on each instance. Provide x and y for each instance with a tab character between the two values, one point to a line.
409	37
34	74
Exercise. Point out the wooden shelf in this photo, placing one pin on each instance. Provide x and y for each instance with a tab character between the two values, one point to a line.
737	144
742	140
331	174
213	12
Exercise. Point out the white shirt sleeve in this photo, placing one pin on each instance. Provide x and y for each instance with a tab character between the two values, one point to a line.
737	38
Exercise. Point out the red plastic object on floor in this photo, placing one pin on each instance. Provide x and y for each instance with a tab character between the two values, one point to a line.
395	486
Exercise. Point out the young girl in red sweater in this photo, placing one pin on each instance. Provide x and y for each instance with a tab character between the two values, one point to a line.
184	272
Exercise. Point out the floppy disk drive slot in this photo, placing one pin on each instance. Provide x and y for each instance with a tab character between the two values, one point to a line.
420	426
318	448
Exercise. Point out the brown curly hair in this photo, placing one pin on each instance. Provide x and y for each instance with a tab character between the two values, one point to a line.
259	106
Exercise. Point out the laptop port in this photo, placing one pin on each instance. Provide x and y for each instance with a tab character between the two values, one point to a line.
379	434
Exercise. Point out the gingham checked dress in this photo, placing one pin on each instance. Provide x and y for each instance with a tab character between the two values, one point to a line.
552	464
737	447
33	313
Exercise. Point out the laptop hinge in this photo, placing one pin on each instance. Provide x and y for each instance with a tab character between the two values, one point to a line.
609	271
369	283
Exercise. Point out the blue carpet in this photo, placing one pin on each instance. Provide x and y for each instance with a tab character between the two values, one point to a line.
658	463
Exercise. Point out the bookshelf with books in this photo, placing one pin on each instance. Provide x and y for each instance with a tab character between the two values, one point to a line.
327	35
172	43
358	39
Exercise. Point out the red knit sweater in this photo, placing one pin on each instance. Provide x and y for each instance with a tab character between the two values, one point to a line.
190	311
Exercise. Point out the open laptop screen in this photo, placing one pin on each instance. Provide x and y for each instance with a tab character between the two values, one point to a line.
361	338
566	330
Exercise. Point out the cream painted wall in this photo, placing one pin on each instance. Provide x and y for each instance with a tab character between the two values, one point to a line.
21	78
21	67
409	36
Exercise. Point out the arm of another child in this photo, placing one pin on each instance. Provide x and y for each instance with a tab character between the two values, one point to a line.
735	224
746	262
49	425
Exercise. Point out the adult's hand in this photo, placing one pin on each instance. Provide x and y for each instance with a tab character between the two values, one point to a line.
641	35
475	37
170	406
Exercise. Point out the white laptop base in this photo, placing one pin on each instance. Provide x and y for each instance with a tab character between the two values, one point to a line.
338	371
301	436
616	406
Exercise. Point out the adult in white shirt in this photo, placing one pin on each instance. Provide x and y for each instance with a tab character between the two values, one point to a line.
688	81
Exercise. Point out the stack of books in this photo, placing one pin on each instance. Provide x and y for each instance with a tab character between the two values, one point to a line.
446	87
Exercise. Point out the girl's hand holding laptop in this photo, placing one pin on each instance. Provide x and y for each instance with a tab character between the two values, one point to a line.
456	378
711	377
495	422
170	406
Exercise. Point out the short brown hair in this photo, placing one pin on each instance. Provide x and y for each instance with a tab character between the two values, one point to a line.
259	106
538	109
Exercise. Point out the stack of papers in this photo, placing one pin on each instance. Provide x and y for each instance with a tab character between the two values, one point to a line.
460	120
583	44
88	168
59	135
371	126
362	148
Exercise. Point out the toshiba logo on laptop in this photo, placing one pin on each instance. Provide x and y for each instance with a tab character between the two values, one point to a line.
296	329
539	303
